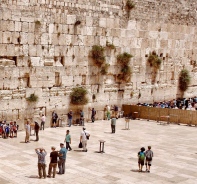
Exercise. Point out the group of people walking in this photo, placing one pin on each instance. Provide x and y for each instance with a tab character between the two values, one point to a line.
145	156
56	158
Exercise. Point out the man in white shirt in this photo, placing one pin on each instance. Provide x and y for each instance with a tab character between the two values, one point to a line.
83	138
43	119
27	129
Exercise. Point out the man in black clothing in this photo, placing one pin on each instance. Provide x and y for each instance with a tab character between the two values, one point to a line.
37	128
53	162
93	115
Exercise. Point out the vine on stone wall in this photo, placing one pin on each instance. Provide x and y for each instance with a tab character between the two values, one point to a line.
32	98
155	62
98	54
124	60
184	80
130	5
78	96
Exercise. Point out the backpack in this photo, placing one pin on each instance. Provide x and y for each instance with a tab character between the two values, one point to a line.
141	155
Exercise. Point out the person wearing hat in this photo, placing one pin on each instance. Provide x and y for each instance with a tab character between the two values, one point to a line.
41	162
70	117
83	138
141	158
37	128
53	162
62	159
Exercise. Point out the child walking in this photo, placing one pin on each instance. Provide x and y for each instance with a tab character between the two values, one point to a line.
149	156
141	158
68	140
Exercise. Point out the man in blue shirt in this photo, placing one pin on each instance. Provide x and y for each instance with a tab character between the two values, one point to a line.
41	162
62	159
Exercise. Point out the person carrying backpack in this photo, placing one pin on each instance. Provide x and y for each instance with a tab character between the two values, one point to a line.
149	156
141	158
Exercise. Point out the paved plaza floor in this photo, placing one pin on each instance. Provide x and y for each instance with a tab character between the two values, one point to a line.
174	147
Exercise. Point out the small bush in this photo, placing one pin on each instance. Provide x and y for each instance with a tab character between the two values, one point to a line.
78	96
184	80
154	60
104	69
126	69
32	98
124	58
37	22
130	4
98	54
110	45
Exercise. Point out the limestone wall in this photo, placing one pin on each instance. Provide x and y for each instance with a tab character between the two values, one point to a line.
45	49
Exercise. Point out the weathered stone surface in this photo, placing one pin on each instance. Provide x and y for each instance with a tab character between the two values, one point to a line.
49	46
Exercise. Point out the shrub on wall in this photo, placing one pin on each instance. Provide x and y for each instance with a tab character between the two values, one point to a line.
32	98
104	69
130	4
124	60
184	80
154	60
78	96
98	54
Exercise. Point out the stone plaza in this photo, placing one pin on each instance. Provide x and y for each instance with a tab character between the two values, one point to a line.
174	161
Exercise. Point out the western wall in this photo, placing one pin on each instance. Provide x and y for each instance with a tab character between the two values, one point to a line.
45	49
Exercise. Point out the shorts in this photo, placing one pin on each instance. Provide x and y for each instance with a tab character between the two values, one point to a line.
54	121
141	162
148	162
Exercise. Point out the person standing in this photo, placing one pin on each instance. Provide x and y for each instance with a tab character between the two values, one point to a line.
15	129
70	117
108	112
43	119
149	156
62	159
141	158
27	129
54	118
81	118
116	111
83	138
68	140
37	128
93	115
41	162
113	124
53	162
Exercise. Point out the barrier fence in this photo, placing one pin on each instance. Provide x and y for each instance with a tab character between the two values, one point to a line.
176	116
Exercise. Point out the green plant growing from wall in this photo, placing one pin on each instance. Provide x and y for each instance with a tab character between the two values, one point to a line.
78	96
104	69
32	98
98	54
110	45
130	5
124	60
155	62
184	80
38	23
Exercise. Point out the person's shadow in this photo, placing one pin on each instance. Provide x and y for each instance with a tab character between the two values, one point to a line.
33	176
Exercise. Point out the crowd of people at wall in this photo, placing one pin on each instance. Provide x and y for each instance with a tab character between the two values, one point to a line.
180	103
8	129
